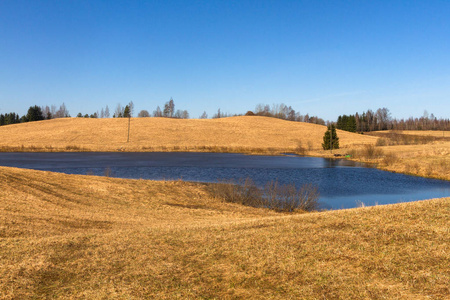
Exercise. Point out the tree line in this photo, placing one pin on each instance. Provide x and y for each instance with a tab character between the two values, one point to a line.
359	122
284	112
35	113
381	120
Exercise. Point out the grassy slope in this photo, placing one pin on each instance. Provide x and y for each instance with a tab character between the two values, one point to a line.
255	135
238	134
94	237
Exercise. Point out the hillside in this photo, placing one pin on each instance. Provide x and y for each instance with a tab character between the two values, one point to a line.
68	236
253	135
236	134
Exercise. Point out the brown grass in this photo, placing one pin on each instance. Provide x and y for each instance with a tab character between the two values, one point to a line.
68	236
429	160
236	134
254	135
392	137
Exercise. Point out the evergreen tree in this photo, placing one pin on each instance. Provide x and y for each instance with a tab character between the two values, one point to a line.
330	142
127	112
347	123
34	114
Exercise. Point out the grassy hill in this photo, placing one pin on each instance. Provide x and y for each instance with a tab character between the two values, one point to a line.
71	236
425	153
236	134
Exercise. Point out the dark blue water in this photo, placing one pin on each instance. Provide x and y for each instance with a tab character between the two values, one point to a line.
342	184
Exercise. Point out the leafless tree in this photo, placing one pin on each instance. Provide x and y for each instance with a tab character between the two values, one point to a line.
204	115
143	114
157	113
107	115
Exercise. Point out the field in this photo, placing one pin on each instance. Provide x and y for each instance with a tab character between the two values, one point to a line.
237	134
418	153
71	236
425	153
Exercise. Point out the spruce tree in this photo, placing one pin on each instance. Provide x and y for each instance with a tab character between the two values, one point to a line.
127	112
334	140
34	114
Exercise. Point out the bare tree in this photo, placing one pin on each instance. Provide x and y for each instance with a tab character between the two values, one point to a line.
47	112
218	115
182	114
118	112
204	115
53	110
169	109
131	107
143	114
107	115
62	112
157	113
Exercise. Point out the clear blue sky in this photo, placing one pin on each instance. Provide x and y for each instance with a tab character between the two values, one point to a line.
324	58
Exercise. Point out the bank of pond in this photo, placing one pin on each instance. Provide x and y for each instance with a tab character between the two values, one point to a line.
340	183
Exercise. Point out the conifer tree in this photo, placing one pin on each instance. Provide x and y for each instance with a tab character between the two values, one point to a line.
330	139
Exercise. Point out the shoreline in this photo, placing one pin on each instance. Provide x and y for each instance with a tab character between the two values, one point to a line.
370	163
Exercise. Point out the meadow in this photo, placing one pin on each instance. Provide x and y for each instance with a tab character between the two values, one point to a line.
235	134
430	157
75	236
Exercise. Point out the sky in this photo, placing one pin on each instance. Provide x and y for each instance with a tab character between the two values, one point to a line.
324	58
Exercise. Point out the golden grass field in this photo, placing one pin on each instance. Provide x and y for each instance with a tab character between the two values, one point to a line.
253	135
72	236
236	134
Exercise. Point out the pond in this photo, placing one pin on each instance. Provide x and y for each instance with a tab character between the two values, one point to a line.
341	183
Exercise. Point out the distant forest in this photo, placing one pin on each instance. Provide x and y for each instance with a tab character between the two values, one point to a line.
381	120
359	122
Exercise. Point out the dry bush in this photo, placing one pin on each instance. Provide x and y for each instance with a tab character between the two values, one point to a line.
75	148
397	138
442	166
286	197
390	158
381	142
300	150
243	192
371	152
275	196
108	172
367	152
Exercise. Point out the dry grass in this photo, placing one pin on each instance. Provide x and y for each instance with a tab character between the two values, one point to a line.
255	135
429	160
392	137
236	134
434	133
68	236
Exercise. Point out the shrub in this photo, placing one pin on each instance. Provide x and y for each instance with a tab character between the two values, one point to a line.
300	149
371	152
275	196
381	142
108	172
390	158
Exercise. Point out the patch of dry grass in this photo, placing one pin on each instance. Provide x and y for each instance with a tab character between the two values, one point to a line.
429	160
236	134
69	236
252	135
392	137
